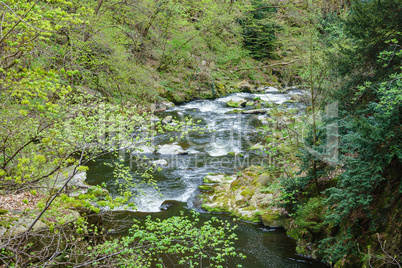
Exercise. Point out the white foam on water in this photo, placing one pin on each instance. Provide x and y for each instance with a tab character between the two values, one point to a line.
230	98
221	148
204	107
151	200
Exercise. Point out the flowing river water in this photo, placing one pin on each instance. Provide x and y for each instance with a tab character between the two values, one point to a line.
210	152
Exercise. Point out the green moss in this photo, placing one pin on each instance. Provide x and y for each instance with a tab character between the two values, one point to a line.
294	233
233	104
247	192
268	104
206	95
213	209
254	218
250	208
98	191
206	180
3	211
220	88
258	213
235	185
7	223
272	218
257	105
206	187
232	153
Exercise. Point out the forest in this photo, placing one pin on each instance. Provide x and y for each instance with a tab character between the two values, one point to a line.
84	80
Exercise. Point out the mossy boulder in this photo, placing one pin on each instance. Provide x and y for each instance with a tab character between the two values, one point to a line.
240	195
236	103
220	88
244	87
273	218
265	179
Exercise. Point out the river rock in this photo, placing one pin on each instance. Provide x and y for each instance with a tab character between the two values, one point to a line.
264	180
273	218
297	98
23	224
206	187
76	186
257	146
272	90
160	162
244	87
261	89
171	149
168	104
168	119
245	197
79	181
236	102
219	179
144	150
256	111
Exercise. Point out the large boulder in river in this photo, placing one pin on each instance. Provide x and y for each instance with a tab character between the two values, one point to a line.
171	149
250	195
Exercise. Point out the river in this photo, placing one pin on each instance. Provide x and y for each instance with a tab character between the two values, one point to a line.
215	151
